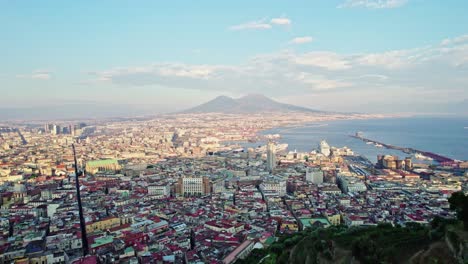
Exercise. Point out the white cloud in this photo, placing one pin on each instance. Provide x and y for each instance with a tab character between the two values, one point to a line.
456	40
281	21
391	59
373	4
258	25
37	75
380	77
262	24
301	40
320	82
434	68
323	59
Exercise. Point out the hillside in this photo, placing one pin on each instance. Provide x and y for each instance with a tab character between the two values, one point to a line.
247	104
444	241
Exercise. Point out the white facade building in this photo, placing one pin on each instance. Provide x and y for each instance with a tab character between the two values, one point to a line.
164	190
192	185
271	156
314	175
324	148
274	187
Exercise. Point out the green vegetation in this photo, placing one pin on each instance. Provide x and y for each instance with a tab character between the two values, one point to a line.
459	202
383	243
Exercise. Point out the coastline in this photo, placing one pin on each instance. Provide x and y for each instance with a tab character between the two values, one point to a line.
431	137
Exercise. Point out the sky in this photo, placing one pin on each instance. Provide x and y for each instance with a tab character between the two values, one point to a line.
377	56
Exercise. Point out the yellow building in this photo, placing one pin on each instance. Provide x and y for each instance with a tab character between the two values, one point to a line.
38	260
94	166
334	219
289	225
103	224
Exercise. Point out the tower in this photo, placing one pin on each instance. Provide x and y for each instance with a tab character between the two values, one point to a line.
325	148
271	156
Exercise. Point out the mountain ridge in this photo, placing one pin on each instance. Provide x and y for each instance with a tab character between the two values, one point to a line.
252	103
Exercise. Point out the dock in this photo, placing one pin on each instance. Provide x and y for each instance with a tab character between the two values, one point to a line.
436	157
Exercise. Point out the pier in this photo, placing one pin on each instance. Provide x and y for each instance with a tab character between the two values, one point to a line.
436	157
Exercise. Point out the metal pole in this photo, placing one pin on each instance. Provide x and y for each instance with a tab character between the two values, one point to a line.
84	237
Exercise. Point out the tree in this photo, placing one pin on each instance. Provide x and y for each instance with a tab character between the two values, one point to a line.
459	202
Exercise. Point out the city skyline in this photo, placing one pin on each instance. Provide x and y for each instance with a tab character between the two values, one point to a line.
366	56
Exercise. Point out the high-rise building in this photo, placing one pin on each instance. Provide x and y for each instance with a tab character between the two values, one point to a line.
48	128
56	129
324	148
271	156
314	175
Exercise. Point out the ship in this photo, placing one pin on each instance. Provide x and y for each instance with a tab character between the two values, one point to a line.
281	147
272	136
420	156
278	147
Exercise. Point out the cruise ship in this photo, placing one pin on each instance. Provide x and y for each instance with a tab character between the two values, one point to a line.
278	147
420	156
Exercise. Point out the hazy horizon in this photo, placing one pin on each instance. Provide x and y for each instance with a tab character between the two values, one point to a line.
393	56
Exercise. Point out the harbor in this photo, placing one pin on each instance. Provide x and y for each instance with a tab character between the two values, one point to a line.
436	157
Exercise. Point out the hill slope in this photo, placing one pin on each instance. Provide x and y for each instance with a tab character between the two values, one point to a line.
247	104
443	241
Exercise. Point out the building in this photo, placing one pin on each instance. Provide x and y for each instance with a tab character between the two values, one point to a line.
56	129
103	224
193	186
408	164
271	156
351	184
163	190
333	217
94	166
394	163
314	175
242	251
325	148
273	187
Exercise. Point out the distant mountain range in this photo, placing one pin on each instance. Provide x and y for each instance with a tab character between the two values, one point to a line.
249	104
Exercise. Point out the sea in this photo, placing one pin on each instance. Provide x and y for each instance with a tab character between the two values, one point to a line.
447	136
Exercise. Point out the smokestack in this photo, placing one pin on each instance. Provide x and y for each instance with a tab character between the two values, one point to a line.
84	237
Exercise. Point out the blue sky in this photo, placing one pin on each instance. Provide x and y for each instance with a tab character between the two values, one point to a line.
334	55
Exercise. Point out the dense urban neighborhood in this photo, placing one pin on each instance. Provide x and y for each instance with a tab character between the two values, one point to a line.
188	188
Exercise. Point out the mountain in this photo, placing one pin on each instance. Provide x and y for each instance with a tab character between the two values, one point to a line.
249	104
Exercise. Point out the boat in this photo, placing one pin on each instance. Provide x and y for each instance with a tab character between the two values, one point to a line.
281	147
278	147
272	136
369	143
378	145
420	156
